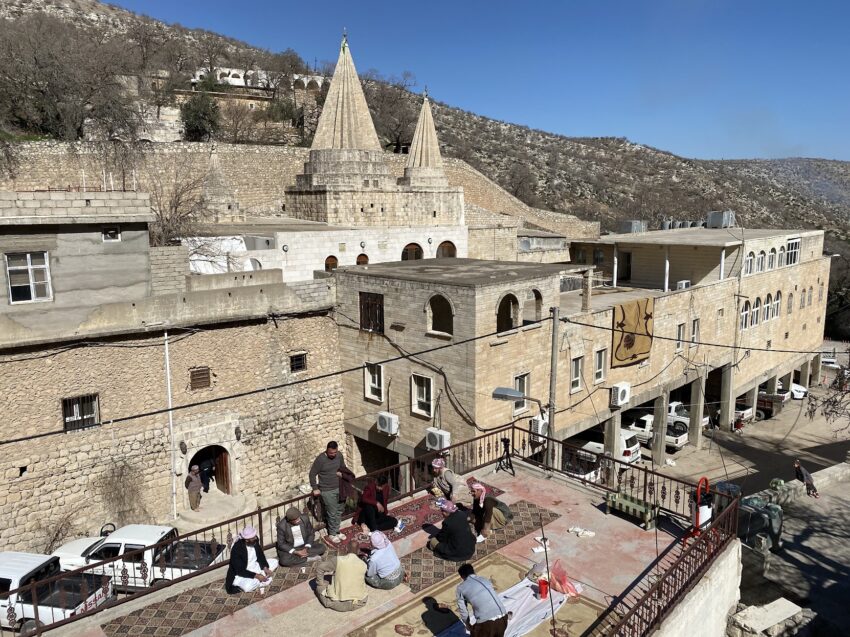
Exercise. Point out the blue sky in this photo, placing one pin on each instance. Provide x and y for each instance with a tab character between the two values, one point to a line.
700	78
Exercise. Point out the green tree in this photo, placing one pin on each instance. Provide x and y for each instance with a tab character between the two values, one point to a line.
200	117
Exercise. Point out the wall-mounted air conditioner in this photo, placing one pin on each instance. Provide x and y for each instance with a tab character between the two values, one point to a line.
683	285
539	428
621	394
437	439
388	423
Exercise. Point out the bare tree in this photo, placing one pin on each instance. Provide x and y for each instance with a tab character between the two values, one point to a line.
212	51
392	106
238	122
178	204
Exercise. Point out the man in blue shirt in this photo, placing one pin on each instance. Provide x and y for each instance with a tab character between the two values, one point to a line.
491	617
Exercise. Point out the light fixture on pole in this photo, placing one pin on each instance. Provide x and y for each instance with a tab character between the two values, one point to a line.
514	395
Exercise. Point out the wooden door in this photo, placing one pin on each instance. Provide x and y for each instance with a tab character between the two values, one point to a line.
222	471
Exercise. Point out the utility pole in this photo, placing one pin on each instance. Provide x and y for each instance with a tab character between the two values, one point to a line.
553	380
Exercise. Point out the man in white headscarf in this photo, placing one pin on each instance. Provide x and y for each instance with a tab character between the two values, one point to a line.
385	570
447	484
249	568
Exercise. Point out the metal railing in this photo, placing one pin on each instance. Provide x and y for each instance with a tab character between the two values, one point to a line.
62	598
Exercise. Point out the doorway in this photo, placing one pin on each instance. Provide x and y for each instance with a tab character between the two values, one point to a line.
625	266
214	462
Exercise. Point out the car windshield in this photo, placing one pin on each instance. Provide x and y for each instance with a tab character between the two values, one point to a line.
631	441
93	547
681	411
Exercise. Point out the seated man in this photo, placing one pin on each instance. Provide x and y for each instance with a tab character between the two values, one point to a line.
347	589
385	570
488	512
249	569
296	540
372	512
454	541
447	484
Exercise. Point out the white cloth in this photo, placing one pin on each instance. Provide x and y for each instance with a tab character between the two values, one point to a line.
249	584
528	611
297	538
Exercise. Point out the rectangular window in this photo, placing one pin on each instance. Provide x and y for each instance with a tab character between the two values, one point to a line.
80	412
599	363
792	252
298	362
372	312
111	233
694	332
200	378
521	384
373	381
680	336
576	367
28	274
421	395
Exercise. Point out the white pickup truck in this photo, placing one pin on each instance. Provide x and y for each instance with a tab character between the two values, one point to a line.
140	570
54	601
676	436
677	411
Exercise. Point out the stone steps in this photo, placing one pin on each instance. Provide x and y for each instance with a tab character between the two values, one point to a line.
215	507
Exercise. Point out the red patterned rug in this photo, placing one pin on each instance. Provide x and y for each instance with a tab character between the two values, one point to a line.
414	514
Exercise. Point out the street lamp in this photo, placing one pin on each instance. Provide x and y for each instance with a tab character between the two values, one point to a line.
514	395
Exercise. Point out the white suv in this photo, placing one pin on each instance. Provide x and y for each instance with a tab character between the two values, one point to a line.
593	440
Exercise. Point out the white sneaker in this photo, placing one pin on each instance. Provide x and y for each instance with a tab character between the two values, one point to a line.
400	527
313	558
480	539
334	538
340	537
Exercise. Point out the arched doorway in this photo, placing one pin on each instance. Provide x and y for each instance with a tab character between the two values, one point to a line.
446	250
411	252
214	461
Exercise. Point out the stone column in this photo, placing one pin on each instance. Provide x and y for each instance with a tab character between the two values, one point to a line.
816	370
752	399
727	399
786	381
404	475
772	383
613	444
614	272
586	291
667	268
805	370
659	428
696	409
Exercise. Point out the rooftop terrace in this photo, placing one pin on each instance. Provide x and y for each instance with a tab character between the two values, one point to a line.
709	237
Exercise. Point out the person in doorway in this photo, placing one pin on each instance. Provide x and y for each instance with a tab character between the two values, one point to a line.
324	478
249	569
347	588
385	570
372	512
194	484
488	512
491	616
207	467
805	477
447	484
454	541
296	540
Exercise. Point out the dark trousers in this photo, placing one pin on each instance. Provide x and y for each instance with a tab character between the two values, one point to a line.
492	628
376	520
205	480
291	559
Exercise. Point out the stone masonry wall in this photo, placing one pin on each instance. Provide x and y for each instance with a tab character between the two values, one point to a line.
169	267
120	471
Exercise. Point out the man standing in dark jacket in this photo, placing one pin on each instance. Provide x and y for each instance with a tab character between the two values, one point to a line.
455	541
324	478
249	569
296	540
806	478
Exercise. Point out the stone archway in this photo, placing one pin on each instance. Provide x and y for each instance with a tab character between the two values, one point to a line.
214	460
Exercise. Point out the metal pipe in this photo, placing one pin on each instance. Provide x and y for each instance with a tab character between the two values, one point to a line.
553	376
171	430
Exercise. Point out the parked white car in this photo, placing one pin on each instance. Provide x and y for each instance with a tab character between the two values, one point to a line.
798	392
593	441
676	436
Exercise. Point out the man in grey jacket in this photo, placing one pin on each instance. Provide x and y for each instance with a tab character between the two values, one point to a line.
324	478
296	540
491	616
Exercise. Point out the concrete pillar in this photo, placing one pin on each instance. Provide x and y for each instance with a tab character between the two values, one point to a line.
772	383
723	264
727	400
752	398
404	475
667	268
786	381
586	291
805	370
695	414
659	428
613	444
614	278
816	370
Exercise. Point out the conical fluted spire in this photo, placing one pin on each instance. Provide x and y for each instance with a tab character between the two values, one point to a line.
425	149
345	121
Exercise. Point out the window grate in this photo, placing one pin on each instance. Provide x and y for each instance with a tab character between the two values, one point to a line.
80	412
200	378
372	312
298	362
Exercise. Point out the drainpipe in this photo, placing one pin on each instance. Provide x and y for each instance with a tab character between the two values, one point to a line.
171	430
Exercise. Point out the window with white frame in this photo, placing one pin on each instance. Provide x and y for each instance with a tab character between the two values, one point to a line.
802	298
760	261
777	305
749	261
694	332
792	253
373	381
755	317
771	259
576	367
421	395
521	384
80	412
768	305
680	336
745	315
781	261
600	361
28	274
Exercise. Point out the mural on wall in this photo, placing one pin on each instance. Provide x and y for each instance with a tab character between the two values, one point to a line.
632	333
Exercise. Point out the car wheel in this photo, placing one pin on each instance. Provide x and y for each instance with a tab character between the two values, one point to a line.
29	626
759	415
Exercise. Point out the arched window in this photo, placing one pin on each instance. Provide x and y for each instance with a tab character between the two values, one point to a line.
771	259
820	293
446	250
255	264
802	299
781	263
756	315
745	315
362	259
533	310
777	305
811	292
507	314
768	306
790	303
411	252
760	261
440	315
330	263
748	263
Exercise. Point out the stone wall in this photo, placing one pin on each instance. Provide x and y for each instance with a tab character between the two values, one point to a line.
120	471
169	267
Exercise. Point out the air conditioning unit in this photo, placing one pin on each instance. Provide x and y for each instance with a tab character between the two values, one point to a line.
539	428
621	394
683	285
388	423
437	439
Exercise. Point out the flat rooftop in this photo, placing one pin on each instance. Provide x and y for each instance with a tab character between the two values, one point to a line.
709	237
604	298
460	272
